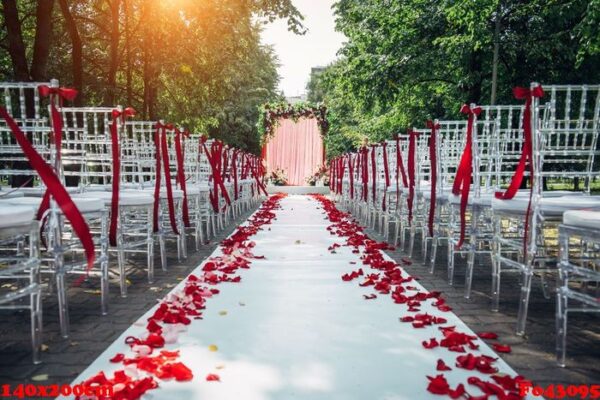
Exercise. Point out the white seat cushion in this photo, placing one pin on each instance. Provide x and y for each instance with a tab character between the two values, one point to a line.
485	198
85	205
39	191
9	193
390	189
443	195
550	206
132	198
177	193
13	216
582	218
197	189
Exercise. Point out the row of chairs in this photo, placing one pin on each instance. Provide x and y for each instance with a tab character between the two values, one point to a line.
135	183
510	184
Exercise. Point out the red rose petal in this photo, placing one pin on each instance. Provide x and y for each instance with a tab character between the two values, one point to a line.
441	366
117	358
438	385
430	344
488	335
501	348
213	378
181	372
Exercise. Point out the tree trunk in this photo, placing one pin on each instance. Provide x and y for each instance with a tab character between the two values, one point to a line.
129	70
76	53
111	84
16	46
474	91
495	57
43	37
149	70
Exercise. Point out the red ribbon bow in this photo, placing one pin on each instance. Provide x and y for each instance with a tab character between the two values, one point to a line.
62	93
526	158
462	180
434	126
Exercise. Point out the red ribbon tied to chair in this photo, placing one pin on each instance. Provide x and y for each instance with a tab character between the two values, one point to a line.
56	189
116	170
526	159
373	172
434	126
162	154
180	136
234	166
351	174
386	171
167	166
462	180
400	172
332	180
365	172
55	94
342	171
412	149
214	157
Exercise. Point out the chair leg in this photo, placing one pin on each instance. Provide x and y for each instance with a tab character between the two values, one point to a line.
36	326
150	248
163	250
450	263
524	302
63	306
471	255
104	285
122	272
411	243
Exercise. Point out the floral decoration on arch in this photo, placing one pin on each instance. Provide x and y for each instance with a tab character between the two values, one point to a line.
271	113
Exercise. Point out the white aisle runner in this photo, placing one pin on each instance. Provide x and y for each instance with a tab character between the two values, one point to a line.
292	329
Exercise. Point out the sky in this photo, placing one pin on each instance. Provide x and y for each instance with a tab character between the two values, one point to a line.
298	54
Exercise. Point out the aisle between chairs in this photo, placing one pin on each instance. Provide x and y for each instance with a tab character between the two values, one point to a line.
293	328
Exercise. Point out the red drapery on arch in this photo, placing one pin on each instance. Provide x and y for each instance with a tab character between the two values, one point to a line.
297	148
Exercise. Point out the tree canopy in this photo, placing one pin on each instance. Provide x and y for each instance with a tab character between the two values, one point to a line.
198	63
406	61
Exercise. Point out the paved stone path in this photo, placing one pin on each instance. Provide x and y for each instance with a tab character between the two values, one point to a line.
532	355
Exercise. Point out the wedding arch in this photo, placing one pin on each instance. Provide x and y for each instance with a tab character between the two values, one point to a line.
292	136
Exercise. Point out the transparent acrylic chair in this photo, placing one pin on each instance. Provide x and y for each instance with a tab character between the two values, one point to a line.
19	268
579	275
89	165
565	124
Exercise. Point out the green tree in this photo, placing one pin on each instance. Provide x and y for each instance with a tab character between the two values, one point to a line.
409	60
198	63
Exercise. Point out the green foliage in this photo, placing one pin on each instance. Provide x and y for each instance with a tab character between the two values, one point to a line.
406	61
196	63
271	113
